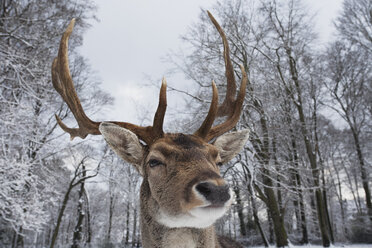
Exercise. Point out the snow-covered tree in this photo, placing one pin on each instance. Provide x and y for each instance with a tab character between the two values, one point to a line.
29	154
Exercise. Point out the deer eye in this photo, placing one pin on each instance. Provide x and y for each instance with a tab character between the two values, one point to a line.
153	163
219	164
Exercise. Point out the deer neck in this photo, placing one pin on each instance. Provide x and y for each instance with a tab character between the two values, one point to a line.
155	234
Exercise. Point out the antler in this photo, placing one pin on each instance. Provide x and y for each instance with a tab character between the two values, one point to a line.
64	85
230	107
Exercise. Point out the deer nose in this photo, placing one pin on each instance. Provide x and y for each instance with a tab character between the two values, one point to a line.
216	195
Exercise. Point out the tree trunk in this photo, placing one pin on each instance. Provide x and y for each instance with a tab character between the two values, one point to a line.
340	197
279	229
271	201
271	229
17	240
243	231
314	213
324	191
14	239
78	231
60	215
71	185
355	194
276	162
256	219
310	153
67	232
356	182
127	225
297	180
305	238
295	175
48	235
111	213
89	228
134	233
20	239
329	224
322	218
363	171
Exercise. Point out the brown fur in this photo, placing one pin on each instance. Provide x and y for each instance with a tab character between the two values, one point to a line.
182	162
168	192
185	187
187	160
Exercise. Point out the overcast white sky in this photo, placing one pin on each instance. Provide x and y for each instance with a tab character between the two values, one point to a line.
133	36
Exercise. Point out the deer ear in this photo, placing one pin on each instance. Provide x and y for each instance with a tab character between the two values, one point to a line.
230	144
124	143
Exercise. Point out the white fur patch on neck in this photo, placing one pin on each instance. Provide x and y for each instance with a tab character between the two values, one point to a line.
198	217
201	219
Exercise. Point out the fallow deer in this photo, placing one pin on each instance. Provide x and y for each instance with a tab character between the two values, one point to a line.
182	193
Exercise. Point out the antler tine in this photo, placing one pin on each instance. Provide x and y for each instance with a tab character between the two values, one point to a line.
236	110
230	107
160	112
208	122
62	82
228	104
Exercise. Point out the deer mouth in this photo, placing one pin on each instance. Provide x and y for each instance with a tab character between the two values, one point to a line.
211	208
214	206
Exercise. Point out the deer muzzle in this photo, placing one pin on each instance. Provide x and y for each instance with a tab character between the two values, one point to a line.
216	195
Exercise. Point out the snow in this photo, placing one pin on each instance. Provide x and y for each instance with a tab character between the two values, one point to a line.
320	246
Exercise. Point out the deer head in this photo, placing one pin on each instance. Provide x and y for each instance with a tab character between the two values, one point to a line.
182	185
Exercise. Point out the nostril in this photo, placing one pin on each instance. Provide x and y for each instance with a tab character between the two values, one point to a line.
204	189
216	195
225	195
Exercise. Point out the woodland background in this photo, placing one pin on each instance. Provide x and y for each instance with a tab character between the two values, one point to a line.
304	175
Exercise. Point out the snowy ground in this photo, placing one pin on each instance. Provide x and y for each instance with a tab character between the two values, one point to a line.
319	246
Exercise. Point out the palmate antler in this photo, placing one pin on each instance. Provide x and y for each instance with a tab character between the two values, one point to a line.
63	84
